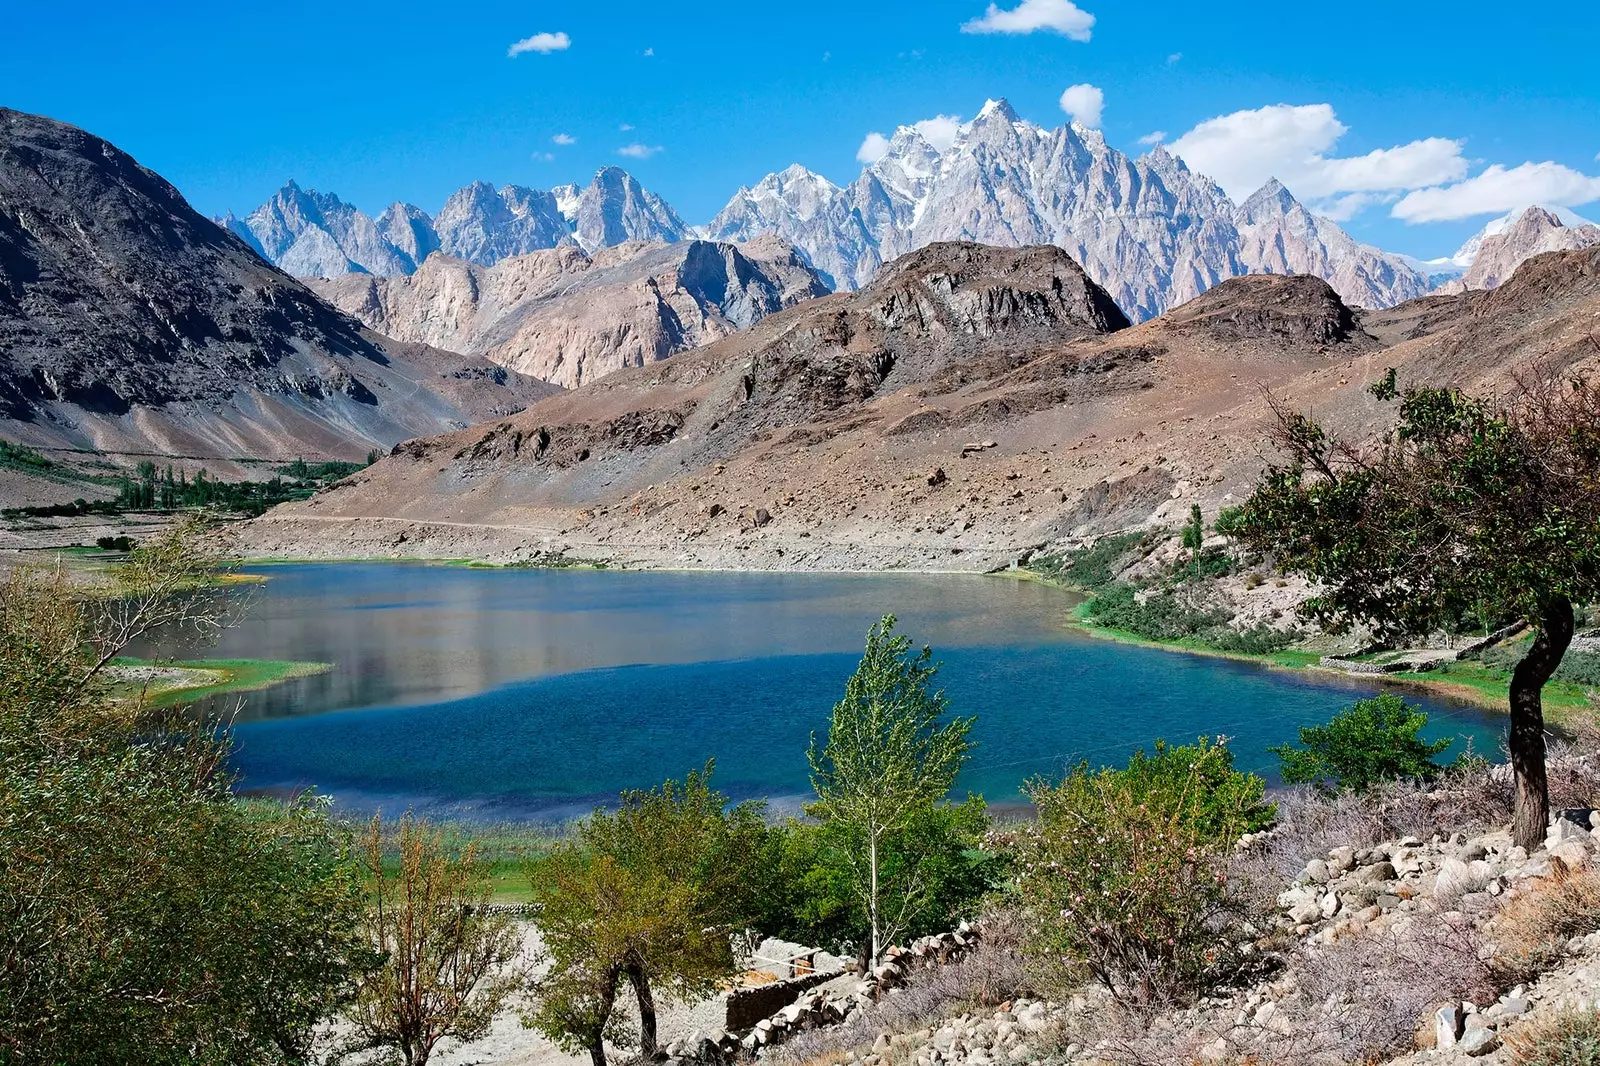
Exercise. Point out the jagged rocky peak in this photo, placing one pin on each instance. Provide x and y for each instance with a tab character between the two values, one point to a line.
1290	311
616	208
410	229
1536	230
483	225
975	288
1271	201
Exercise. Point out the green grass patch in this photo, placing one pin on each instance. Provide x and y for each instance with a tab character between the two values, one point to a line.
197	679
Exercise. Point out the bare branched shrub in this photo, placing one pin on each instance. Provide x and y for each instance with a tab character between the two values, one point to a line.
1532	928
1364	997
1567	1038
1312	823
1573	766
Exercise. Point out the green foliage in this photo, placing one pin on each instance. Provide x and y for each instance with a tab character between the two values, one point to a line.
1468	511
934	872
1373	741
1194	530
1092	567
889	756
1229	522
1162	615
1578	667
1122	877
1568	1037
649	893
144	916
115	544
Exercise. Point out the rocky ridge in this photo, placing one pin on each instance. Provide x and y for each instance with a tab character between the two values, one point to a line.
312	234
1535	231
971	406
130	323
1149	230
566	317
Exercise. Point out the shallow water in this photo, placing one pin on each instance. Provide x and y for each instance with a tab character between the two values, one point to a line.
537	694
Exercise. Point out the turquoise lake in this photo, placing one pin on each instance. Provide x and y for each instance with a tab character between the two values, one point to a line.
537	694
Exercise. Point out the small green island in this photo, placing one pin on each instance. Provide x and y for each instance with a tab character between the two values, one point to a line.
168	683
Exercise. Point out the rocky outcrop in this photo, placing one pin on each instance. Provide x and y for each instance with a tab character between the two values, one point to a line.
1534	232
129	322
483	225
566	317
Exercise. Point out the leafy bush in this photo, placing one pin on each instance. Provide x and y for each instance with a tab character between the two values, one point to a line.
114	544
1092	567
1371	741
934	869
1568	1038
1122	875
1163	616
1578	667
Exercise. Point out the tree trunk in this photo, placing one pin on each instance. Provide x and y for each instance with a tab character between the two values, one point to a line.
872	902
647	1010
1531	806
608	996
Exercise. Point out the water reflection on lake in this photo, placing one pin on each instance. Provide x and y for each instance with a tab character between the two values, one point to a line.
538	693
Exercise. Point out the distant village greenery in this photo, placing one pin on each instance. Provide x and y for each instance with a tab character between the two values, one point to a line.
153	488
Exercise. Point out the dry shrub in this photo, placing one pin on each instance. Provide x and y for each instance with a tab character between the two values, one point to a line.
1572	764
988	975
1533	927
1568	1038
1364	997
1312	823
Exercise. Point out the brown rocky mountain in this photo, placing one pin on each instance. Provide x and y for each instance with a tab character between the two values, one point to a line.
567	317
968	406
128	322
1535	232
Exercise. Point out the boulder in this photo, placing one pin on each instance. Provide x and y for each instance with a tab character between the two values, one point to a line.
1447	1026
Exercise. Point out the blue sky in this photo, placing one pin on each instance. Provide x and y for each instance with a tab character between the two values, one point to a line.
385	101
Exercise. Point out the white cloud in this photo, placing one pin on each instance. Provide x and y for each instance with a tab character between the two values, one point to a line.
939	131
1497	190
1084	103
873	148
1062	16
543	43
639	151
626	127
1153	137
1174	58
545	157
649	51
1243	149
1343	208
564	139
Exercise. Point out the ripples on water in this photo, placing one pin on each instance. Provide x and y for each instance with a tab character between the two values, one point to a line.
534	693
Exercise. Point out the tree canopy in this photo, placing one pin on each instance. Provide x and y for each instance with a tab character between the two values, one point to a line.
1469	513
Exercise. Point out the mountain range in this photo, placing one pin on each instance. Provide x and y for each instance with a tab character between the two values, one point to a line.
1148	229
972	404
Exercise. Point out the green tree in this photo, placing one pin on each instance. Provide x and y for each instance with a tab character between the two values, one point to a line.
1468	510
889	756
649	894
935	871
146	916
1367	743
447	960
